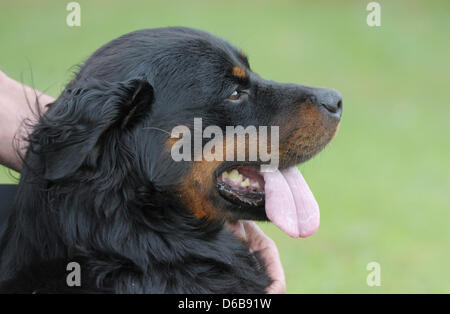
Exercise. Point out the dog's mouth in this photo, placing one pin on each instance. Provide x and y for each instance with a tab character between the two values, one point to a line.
284	194
242	186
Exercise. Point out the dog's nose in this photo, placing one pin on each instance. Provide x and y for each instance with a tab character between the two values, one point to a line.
331	100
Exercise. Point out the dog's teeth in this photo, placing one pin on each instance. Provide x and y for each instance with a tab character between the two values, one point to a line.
235	176
225	175
245	183
256	184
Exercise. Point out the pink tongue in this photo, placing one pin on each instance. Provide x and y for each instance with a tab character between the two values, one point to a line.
290	204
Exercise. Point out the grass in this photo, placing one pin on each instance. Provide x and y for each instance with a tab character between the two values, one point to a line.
383	184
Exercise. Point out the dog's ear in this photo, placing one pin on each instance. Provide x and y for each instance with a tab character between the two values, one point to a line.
69	132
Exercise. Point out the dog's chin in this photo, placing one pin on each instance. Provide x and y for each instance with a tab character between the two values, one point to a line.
239	212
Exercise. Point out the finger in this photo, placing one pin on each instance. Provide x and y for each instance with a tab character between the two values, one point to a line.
238	229
270	255
274	269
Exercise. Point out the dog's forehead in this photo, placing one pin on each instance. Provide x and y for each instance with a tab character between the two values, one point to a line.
209	50
192	48
197	61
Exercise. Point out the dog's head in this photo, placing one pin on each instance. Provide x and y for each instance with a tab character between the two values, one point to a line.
156	108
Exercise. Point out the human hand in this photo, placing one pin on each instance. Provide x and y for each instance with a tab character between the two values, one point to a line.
16	104
249	232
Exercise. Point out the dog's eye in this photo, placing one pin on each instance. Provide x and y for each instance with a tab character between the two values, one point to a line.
235	95
239	96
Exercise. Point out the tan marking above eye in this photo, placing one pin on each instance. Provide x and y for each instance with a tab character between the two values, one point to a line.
239	72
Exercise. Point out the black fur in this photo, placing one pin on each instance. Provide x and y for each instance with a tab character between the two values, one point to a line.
98	186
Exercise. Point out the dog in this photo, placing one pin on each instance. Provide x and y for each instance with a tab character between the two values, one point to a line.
99	187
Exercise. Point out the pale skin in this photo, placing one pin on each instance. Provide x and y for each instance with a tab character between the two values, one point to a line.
16	101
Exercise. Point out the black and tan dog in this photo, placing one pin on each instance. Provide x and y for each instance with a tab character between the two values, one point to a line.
99	186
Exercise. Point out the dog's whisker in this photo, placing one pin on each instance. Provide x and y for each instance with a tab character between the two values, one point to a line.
158	129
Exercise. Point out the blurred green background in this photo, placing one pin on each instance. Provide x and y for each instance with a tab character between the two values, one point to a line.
383	184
